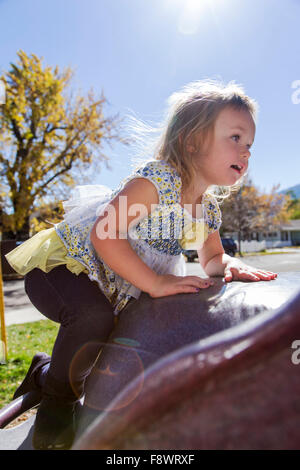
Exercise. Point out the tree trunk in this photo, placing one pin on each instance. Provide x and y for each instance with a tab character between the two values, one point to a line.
20	235
24	233
240	240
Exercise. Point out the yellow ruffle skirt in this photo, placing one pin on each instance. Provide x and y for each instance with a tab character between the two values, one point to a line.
45	251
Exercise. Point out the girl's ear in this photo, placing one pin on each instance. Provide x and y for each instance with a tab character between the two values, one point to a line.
190	148
180	138
190	144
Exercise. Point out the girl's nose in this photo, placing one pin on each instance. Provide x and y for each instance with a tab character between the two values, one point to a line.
246	152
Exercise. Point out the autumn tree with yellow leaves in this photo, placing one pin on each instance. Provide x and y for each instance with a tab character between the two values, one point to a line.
250	210
49	140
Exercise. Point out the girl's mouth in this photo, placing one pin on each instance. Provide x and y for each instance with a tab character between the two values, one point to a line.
237	168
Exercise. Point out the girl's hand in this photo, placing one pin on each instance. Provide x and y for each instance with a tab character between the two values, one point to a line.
237	270
169	284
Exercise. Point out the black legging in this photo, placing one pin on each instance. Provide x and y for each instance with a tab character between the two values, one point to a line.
86	318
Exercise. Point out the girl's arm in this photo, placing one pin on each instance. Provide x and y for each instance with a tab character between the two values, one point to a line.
116	251
216	263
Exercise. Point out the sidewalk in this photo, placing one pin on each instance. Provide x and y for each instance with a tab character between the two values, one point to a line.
17	306
286	249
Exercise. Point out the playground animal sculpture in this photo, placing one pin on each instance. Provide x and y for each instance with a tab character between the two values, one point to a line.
213	370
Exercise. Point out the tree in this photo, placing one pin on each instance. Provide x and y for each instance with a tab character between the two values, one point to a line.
239	212
273	210
249	210
293	206
49	140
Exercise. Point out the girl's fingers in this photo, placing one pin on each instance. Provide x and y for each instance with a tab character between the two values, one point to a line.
198	282
182	284
270	273
228	276
254	275
263	275
251	275
198	279
235	273
187	290
266	274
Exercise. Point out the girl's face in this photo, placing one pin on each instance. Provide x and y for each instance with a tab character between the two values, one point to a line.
226	161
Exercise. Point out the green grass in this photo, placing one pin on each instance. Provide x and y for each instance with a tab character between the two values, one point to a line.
23	341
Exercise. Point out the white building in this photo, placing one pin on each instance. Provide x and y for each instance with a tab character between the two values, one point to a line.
286	235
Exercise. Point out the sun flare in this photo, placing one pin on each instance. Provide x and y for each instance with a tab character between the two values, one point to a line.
191	13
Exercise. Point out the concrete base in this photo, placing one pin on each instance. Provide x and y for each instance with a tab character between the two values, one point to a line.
18	437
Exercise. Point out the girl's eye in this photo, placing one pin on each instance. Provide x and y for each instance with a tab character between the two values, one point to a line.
236	138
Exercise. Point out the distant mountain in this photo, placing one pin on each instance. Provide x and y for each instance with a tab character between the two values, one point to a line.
295	189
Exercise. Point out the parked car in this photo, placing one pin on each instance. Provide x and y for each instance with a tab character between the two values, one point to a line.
229	246
190	255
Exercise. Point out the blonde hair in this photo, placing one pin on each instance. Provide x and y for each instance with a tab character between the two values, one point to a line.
194	109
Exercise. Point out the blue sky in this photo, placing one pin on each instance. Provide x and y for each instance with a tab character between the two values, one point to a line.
140	51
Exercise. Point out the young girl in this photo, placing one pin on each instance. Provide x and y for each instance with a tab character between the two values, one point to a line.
113	245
